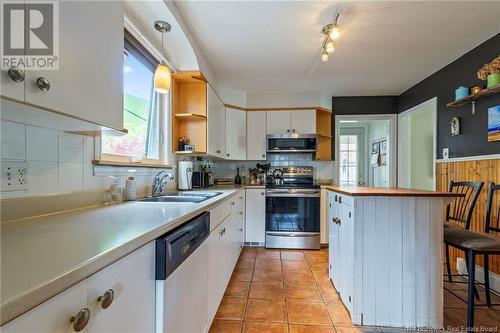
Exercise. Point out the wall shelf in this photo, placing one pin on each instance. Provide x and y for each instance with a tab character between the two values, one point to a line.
189	152
190	116
472	98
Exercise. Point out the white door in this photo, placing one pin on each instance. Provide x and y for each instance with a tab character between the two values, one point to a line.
132	281
256	136
236	134
303	122
89	81
278	122
54	315
351	157
216	114
255	224
417	142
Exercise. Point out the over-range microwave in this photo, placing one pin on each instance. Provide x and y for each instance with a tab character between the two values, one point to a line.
291	143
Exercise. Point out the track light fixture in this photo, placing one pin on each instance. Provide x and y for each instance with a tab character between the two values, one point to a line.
331	32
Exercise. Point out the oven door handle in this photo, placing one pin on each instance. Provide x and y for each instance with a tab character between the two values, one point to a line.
293	193
292	234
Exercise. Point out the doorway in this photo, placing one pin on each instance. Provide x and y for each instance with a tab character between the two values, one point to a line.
365	153
417	139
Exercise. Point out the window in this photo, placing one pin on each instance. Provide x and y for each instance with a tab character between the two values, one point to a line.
141	108
348	160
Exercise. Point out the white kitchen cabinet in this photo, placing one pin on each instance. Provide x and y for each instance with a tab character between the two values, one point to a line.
236	134
346	253
52	316
323	225
303	122
256	136
11	88
216	117
333	241
278	122
132	280
89	81
284	122
255	222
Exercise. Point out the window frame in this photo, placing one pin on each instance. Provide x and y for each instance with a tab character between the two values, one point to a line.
144	52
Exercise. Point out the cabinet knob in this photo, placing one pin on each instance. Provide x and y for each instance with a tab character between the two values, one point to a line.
261	193
228	155
264	155
107	298
293	130
218	151
241	213
240	229
81	320
43	84
16	74
288	130
232	203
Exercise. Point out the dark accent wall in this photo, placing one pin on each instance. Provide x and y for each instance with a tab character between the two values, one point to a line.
365	105
474	128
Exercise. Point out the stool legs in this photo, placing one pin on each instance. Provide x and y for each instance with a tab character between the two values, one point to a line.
487	279
471	266
448	267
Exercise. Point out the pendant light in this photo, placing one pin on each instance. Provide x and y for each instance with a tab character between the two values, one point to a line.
162	77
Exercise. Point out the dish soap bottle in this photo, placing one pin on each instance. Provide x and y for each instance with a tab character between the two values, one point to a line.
130	188
237	179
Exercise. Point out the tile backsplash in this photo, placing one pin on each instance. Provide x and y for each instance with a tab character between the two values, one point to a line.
59	162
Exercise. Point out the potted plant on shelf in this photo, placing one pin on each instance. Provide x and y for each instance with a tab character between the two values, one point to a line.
490	73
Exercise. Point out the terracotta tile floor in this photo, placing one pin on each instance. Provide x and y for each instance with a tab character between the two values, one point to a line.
286	291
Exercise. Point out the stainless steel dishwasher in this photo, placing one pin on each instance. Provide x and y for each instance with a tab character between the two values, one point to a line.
181	278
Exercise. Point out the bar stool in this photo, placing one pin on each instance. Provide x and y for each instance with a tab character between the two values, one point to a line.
459	212
475	243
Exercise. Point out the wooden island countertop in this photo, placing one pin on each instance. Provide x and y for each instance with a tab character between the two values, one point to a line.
389	192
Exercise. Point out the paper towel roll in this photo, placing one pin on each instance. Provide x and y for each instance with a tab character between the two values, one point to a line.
185	175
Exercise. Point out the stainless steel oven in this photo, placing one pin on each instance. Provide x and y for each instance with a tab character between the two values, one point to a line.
293	211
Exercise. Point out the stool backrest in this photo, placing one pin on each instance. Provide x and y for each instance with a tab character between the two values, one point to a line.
460	210
492	222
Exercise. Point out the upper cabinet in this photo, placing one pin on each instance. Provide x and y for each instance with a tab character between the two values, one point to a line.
284	122
256	136
236	134
89	82
278	122
216	124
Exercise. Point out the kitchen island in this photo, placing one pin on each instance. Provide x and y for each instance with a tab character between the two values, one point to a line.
386	254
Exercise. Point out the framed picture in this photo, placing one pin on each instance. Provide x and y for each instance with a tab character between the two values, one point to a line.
383	147
494	123
375	148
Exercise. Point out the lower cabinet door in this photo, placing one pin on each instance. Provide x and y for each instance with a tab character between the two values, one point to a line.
131	282
255	223
216	270
346	236
54	315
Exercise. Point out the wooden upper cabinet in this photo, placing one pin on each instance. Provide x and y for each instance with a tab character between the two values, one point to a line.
256	136
236	134
89	81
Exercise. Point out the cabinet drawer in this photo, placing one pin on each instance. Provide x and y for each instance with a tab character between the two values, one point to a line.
219	213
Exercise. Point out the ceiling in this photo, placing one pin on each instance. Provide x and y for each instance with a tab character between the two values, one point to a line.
385	47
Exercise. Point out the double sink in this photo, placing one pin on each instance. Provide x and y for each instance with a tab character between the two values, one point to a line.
184	197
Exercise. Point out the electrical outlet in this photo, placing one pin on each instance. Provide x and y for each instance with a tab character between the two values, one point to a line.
14	176
446	153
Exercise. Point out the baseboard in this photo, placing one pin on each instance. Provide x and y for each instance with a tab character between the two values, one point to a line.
494	278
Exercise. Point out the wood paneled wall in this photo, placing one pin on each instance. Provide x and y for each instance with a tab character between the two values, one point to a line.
487	171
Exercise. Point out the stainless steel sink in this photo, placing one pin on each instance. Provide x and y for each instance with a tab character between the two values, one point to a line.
186	197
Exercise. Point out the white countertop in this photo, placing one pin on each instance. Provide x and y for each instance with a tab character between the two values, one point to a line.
44	255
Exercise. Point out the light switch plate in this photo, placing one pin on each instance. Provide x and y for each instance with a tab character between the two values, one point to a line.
14	176
446	153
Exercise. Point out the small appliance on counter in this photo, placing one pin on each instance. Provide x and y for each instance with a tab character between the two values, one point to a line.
200	179
185	175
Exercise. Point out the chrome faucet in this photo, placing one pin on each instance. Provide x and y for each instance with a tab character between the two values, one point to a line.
159	182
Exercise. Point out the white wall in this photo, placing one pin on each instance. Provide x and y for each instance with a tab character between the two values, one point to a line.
285	99
422	133
60	162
